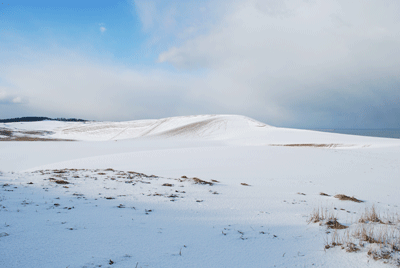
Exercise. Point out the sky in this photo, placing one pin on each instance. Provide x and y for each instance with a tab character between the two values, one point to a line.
288	63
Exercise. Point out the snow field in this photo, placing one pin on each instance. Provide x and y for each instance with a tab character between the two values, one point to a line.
255	214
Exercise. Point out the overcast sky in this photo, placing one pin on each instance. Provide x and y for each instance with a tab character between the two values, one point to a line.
304	64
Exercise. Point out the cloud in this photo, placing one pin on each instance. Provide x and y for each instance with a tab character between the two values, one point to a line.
103	29
3	95
6	98
170	22
17	100
147	12
290	60
75	86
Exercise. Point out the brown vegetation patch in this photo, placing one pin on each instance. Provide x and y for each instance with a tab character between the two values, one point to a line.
370	215
168	184
244	184
60	171
199	181
351	247
5	132
318	145
334	224
61	182
26	138
323	194
348	198
22	135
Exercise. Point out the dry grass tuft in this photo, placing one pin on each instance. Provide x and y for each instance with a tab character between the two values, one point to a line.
351	247
59	181
347	198
334	224
320	215
323	194
244	184
199	181
370	215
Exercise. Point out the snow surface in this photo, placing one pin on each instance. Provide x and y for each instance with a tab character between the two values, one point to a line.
227	224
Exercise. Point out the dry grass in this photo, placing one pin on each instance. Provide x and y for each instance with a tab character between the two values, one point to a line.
370	215
61	182
334	224
5	132
317	145
380	234
26	138
347	198
244	184
200	181
21	135
323	194
320	215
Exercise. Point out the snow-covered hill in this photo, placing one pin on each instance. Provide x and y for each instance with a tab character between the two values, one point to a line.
195	191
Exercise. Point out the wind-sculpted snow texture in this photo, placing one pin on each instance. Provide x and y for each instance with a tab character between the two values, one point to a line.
198	191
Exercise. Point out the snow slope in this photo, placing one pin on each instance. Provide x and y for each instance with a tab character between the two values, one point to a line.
255	213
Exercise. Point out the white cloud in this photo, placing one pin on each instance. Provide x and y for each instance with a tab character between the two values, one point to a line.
17	100
147	12
103	29
291	58
7	98
81	88
3	95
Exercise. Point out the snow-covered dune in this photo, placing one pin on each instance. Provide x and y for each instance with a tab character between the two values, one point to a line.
194	191
231	129
201	126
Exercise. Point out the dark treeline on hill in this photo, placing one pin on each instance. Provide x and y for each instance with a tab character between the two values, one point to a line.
36	118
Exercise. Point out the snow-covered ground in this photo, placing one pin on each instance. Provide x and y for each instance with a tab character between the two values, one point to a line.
116	196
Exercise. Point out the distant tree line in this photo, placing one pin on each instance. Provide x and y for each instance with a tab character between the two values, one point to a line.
37	118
